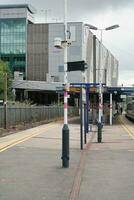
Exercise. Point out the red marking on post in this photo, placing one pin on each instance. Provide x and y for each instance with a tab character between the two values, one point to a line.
101	106
65	93
65	105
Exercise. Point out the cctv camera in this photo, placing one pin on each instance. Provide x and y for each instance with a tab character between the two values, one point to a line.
58	43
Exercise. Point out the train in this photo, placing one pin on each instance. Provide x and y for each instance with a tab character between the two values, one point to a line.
130	111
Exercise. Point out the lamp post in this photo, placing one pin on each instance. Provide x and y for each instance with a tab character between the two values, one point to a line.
64	44
65	129
101	37
100	78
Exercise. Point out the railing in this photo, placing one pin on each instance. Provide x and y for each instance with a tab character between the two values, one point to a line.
22	115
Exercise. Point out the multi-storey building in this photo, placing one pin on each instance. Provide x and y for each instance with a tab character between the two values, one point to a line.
29	50
14	20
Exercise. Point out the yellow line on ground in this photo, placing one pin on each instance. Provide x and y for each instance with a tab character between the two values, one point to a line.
131	133
18	141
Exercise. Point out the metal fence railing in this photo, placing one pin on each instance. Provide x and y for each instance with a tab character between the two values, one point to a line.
21	115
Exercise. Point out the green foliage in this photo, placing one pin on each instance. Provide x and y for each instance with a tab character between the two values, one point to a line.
5	69
26	103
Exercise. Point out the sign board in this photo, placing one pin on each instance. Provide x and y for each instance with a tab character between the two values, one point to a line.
76	66
75	89
123	96
93	89
1	102
59	89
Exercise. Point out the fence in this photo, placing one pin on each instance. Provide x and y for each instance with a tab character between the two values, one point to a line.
22	115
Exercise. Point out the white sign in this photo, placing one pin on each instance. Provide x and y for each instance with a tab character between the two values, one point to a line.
123	96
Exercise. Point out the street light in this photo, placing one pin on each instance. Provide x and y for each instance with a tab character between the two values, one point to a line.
64	44
65	129
112	27
102	29
100	85
107	28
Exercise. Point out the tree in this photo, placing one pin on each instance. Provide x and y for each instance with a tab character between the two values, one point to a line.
4	68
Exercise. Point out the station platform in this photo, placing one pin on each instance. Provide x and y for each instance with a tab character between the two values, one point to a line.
31	166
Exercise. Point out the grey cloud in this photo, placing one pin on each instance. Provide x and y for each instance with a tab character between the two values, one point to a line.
76	6
101	4
82	7
79	8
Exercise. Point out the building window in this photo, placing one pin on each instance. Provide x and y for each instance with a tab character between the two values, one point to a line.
61	68
13	41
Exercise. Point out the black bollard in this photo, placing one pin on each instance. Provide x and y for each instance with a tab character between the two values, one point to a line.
99	132
65	146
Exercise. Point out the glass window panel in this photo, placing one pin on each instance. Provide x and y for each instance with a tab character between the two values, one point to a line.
13	38
13	35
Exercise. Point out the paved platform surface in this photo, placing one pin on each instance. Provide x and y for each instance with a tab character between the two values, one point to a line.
31	169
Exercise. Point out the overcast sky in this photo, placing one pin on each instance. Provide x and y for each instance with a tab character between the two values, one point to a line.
100	13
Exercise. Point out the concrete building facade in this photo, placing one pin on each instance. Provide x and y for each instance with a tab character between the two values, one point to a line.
37	52
29	50
14	20
82	48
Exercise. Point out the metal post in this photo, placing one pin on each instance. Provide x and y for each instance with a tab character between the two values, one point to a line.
100	115
87	108
100	94
100	102
81	120
5	101
94	59
94	109
94	78
85	118
111	108
65	130
58	96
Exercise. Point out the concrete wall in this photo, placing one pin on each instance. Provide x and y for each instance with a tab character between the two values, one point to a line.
88	51
106	66
56	62
46	63
11	13
37	52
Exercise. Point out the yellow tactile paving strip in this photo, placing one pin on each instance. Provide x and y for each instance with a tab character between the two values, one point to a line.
26	135
129	127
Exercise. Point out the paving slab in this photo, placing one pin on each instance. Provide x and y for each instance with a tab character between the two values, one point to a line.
32	169
108	173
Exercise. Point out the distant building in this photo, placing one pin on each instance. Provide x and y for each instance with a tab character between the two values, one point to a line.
29	50
14	20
